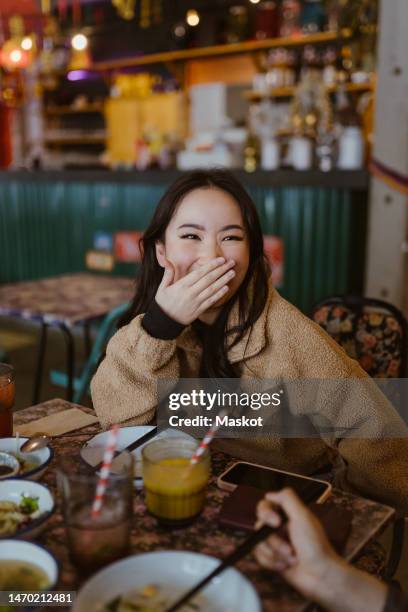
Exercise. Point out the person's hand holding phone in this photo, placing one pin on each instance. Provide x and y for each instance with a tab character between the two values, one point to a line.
185	299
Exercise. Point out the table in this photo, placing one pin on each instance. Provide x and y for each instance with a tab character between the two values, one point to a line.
205	536
64	302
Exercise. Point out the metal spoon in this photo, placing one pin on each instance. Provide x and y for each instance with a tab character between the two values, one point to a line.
41	440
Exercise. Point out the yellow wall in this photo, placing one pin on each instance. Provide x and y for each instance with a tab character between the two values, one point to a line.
127	119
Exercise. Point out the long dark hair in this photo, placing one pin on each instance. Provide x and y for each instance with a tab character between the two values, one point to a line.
215	363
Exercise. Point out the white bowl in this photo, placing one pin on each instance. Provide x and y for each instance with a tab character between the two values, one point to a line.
12	490
17	550
41	457
177	570
92	451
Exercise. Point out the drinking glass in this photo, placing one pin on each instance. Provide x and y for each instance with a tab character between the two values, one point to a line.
96	541
7	393
174	488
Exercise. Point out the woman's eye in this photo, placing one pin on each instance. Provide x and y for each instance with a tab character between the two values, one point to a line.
233	238
190	236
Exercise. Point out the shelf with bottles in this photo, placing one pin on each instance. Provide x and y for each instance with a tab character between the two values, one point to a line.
253	28
313	131
288	92
76	139
52	72
249	46
91	108
74	119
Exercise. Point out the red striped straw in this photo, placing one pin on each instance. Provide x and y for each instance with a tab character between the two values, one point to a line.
105	470
206	441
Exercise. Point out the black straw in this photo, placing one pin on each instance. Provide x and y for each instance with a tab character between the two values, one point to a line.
131	447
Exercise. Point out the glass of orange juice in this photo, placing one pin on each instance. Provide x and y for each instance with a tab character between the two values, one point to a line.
174	488
7	392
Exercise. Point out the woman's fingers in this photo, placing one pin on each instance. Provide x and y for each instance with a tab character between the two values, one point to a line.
186	299
207	279
216	285
168	275
192	277
211	300
215	266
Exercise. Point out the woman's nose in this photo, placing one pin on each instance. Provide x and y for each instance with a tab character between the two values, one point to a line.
210	251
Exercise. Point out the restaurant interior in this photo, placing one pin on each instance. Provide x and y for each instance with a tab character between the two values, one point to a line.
107	108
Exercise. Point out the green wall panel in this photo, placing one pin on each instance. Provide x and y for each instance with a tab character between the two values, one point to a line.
46	228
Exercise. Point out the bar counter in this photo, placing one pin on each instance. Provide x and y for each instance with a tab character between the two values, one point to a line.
348	179
48	220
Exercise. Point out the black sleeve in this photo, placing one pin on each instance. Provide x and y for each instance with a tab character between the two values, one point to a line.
159	325
396	601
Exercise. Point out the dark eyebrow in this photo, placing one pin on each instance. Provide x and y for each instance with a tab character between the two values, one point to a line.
228	227
201	227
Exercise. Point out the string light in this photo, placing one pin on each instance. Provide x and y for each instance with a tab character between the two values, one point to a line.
179	30
192	18
27	43
16	56
79	42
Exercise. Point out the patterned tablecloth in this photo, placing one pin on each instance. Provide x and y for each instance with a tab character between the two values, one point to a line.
69	299
205	535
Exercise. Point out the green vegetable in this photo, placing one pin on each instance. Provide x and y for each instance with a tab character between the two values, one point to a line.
28	505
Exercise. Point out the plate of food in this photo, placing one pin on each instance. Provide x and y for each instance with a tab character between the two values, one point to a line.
151	582
92	451
25	507
25	566
30	465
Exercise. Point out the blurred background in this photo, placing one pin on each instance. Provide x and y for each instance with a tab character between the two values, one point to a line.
103	103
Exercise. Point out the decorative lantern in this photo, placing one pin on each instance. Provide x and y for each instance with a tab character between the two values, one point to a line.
18	51
13	57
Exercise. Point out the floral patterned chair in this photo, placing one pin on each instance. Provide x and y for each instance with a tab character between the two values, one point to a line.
371	331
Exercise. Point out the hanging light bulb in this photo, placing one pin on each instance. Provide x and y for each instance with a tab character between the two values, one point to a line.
192	18
27	43
79	42
80	58
254	1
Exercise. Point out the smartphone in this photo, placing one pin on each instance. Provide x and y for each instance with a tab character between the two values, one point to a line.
270	479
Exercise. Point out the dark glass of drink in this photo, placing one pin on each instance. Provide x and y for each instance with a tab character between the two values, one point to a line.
96	541
7	393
